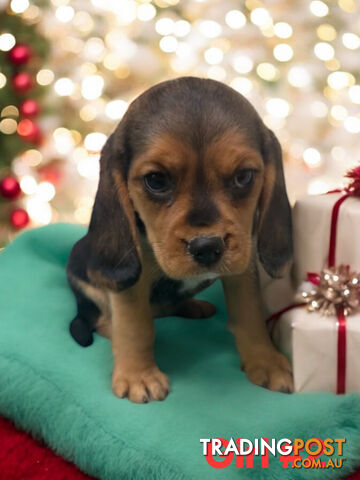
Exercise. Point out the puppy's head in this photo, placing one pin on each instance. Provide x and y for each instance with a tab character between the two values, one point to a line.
194	167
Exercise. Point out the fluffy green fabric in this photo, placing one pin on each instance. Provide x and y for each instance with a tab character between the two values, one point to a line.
62	393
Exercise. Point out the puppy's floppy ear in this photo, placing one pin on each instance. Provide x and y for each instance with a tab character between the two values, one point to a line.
113	247
275	245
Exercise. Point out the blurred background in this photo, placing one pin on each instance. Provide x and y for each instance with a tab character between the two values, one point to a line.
69	69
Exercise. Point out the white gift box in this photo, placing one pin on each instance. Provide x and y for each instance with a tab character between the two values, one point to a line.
309	340
312	219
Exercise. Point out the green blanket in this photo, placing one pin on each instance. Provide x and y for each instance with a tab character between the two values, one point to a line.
61	392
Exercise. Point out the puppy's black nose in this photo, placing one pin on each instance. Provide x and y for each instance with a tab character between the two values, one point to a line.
206	250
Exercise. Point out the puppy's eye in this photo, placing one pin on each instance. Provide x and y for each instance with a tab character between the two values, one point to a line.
244	178
157	182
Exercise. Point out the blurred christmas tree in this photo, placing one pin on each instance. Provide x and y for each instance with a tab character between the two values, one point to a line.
297	62
22	53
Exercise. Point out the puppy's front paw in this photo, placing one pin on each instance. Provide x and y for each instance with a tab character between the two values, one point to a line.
141	387
271	370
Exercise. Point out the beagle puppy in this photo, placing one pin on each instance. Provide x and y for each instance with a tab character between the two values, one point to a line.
191	189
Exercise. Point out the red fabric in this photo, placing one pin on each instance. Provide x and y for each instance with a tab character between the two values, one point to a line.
23	458
354	476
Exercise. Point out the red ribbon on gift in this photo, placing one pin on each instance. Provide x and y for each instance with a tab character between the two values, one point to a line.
353	189
341	352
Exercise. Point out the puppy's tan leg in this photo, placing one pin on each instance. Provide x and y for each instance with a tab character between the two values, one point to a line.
263	364
135	373
103	326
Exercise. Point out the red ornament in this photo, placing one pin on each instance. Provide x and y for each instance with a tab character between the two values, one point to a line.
29	131
29	108
19	55
9	187
19	218
22	82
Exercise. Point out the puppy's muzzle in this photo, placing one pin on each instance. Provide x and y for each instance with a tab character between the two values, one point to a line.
206	250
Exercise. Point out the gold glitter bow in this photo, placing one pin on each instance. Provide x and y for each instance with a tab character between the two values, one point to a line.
334	288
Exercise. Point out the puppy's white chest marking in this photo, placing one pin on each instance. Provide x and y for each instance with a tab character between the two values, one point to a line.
190	286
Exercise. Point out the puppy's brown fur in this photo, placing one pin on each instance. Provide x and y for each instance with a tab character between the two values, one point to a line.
200	139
